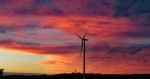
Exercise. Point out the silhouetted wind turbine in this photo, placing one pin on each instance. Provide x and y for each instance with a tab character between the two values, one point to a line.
83	49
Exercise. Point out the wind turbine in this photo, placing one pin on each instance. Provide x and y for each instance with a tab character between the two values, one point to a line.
83	50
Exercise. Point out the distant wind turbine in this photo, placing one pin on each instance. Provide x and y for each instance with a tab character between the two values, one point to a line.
83	50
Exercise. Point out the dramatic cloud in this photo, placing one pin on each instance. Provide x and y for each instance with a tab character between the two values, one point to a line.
131	7
138	10
56	7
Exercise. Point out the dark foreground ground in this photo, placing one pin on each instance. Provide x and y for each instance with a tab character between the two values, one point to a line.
78	76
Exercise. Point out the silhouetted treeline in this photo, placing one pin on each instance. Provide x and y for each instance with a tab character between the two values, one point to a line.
1	71
78	76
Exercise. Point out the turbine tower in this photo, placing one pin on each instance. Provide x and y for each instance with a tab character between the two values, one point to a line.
83	50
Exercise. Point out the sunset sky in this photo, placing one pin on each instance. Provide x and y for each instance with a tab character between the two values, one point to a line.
38	36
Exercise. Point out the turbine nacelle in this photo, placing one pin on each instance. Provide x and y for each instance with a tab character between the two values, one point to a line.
85	39
82	38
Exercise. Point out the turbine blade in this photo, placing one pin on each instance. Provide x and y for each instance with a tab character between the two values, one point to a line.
81	48
78	36
85	34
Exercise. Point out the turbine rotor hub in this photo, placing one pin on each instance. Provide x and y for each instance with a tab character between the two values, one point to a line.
85	39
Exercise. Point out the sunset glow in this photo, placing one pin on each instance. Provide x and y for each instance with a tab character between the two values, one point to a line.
38	36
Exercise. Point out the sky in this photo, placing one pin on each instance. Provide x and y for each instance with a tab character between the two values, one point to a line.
38	36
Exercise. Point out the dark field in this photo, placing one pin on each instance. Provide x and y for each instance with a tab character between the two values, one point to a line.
78	76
